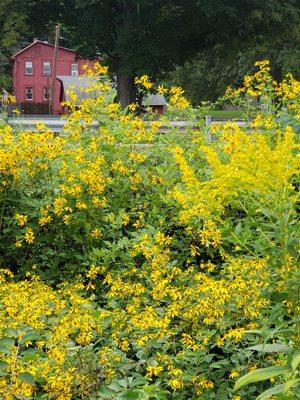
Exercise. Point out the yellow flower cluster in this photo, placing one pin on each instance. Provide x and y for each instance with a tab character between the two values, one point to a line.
97	70
157	239
190	294
254	166
144	81
177	99
28	153
38	326
270	95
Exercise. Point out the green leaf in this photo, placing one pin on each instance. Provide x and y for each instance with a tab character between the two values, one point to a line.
274	390
27	377
114	386
132	394
260	374
123	382
11	332
271	348
291	383
29	337
32	354
139	380
39	379
105	393
141	355
5	341
3	364
4	350
295	361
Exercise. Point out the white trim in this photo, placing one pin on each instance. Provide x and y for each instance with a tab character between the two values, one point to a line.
74	72
25	67
49	66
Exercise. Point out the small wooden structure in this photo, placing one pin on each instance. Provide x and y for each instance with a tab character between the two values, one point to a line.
156	102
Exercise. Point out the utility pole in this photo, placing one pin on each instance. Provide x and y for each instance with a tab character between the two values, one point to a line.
52	93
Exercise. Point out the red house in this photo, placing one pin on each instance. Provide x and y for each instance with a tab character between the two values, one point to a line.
33	73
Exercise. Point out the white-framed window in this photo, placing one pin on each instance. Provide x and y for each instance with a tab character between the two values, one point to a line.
74	69
29	93
47	93
46	68
28	68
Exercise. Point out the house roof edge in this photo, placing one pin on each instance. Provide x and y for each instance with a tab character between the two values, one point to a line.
41	42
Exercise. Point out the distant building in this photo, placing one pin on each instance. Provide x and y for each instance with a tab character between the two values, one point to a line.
33	73
156	102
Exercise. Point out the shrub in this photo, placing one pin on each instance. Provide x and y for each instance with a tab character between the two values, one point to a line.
176	257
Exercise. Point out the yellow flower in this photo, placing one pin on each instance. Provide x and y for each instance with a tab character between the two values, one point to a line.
206	384
144	81
45	220
11	99
210	235
41	126
67	219
176	384
234	374
162	90
133	107
96	233
81	205
93	272
125	219
236	334
175	371
154	370
177	99
21	219
29	236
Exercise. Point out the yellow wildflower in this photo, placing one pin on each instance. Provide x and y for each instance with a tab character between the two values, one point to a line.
21	219
29	236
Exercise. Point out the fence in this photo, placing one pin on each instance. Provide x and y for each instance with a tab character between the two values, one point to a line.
27	108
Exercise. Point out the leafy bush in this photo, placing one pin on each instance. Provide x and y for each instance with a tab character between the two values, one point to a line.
152	266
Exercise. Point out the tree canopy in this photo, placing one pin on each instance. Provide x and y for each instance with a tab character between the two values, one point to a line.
139	37
208	43
263	30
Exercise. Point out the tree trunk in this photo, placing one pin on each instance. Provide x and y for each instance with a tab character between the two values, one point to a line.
126	89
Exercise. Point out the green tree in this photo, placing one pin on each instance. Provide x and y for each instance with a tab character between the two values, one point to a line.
21	21
215	40
137	37
13	28
259	30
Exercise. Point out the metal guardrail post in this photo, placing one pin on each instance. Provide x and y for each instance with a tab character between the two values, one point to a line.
207	120
207	123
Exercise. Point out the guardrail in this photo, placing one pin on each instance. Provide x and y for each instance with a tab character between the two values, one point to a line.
56	124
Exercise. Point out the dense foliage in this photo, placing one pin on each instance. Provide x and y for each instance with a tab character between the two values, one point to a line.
259	30
216	41
150	266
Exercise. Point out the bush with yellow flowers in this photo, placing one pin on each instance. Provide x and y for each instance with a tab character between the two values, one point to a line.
149	265
45	344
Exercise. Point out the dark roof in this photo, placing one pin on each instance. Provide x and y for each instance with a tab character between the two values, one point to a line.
41	42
